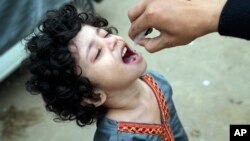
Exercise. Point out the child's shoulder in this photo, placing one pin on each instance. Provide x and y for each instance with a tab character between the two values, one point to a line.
154	74
160	80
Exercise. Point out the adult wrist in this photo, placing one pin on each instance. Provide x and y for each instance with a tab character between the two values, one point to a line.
214	12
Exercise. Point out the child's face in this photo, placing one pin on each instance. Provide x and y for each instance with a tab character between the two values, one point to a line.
104	60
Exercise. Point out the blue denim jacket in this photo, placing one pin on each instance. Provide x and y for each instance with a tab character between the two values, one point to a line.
109	130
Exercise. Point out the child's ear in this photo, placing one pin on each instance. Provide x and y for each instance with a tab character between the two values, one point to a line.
98	99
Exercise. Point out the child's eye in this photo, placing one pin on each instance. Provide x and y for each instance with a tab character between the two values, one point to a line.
98	53
106	35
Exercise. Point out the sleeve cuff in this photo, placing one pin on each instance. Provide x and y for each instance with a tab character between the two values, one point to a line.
235	19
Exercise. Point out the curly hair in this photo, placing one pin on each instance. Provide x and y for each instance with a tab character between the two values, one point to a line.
53	69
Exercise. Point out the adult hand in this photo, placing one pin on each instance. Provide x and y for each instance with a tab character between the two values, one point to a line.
178	21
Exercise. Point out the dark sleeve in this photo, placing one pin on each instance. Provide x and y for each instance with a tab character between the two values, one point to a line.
235	19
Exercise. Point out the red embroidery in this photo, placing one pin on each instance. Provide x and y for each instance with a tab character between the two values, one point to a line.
140	128
162	129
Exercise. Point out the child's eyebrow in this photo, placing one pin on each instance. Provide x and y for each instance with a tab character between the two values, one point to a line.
98	31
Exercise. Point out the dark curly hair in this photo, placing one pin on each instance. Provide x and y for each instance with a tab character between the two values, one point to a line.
53	68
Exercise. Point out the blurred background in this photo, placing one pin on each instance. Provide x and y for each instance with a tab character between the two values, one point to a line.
209	77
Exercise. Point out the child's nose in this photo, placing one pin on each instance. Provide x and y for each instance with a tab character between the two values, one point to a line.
110	42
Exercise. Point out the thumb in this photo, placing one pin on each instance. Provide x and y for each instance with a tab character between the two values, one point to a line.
157	43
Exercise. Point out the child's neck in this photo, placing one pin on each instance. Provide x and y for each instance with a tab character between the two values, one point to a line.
136	102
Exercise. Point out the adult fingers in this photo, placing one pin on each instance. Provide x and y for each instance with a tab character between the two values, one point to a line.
157	43
141	24
137	10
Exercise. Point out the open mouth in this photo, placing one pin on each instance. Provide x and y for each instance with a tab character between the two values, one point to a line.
128	55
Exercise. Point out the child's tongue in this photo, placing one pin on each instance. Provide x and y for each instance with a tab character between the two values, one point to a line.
129	59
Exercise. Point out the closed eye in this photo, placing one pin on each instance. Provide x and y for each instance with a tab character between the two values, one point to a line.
98	53
107	35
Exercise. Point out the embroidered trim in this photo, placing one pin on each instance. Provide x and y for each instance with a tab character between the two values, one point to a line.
162	129
140	128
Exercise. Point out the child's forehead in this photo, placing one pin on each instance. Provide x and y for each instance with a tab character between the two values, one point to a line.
86	34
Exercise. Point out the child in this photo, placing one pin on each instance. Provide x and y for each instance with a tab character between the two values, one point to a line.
85	73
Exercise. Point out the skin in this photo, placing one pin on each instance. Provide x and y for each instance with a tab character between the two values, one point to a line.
117	84
178	21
